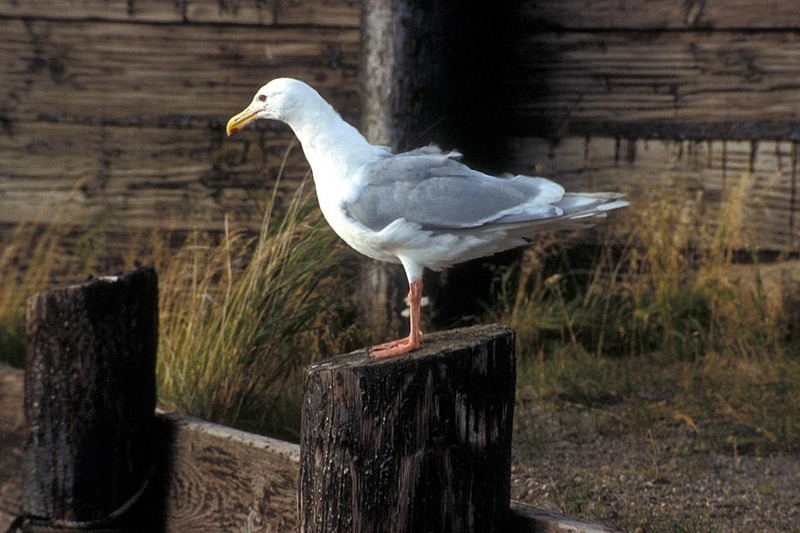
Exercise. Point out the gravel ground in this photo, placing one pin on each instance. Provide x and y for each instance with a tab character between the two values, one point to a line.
572	461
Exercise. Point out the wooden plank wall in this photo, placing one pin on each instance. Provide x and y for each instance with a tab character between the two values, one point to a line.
119	106
698	94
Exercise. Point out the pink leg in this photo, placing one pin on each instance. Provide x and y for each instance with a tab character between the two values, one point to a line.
414	339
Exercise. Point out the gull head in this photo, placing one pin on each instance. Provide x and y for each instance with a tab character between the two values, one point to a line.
281	99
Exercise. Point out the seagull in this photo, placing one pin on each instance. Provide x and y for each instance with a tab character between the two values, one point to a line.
423	208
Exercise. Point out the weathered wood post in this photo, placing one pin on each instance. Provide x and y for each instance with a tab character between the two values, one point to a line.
90	398
420	442
432	73
403	98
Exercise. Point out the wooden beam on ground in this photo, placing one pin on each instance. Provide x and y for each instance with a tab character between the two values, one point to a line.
420	442
212	477
90	396
528	519
218	478
209	477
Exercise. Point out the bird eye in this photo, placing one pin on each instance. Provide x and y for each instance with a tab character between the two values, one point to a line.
262	97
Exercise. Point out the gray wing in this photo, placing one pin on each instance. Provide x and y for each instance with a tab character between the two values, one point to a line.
436	191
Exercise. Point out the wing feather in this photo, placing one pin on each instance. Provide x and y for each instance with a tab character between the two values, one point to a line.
436	191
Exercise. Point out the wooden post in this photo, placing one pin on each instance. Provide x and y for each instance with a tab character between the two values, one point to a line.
432	73
420	442
403	99
89	398
404	46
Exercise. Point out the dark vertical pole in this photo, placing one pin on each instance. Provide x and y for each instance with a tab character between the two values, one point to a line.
403	101
90	397
414	443
404	44
434	71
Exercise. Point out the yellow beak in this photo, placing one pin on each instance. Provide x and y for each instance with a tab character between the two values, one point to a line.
241	120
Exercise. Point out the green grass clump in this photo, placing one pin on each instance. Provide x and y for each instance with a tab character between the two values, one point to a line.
241	317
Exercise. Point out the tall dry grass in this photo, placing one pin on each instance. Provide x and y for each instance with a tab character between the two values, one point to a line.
240	313
16	282
662	280
241	316
660	306
32	257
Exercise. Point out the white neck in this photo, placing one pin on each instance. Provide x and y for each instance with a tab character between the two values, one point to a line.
328	141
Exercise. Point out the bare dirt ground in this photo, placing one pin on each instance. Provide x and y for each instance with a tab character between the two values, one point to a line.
571	460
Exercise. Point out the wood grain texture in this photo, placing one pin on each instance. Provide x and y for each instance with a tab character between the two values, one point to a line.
659	14
137	136
211	477
403	83
168	75
600	83
222	479
420	442
90	394
336	13
117	107
113	177
528	519
769	172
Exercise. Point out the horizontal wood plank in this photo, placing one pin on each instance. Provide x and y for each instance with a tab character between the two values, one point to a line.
223	479
768	172
658	14
528	519
114	177
587	82
219	478
131	130
156	74
533	15
337	13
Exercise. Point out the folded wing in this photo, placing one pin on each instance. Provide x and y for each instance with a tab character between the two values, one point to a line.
436	191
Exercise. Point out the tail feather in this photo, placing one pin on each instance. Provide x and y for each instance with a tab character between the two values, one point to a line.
578	210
